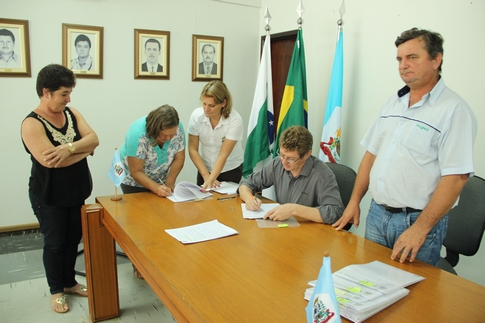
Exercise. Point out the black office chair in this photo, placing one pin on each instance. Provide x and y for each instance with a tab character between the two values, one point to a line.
466	223
345	179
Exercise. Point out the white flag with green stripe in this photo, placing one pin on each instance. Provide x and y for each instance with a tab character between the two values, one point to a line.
261	122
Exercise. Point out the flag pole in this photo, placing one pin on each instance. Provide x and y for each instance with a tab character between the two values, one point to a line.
116	197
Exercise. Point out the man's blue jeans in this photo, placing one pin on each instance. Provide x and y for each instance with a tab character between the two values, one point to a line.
385	228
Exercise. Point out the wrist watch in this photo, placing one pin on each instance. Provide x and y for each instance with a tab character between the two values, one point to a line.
72	149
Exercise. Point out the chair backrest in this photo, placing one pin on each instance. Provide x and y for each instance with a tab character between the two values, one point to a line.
345	179
466	221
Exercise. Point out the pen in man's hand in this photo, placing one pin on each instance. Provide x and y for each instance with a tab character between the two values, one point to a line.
253	198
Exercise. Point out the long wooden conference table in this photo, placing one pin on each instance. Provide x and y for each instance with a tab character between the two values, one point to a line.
258	275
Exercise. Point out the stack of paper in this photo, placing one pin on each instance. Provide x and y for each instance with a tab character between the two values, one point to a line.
186	191
364	290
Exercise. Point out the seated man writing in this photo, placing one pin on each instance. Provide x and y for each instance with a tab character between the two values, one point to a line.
303	184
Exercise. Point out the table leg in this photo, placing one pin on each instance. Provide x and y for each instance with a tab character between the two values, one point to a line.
101	270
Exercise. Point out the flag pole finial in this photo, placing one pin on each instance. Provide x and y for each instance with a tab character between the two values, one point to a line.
267	17
300	10
340	22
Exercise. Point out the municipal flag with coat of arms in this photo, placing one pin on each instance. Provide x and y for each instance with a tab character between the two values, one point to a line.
330	142
323	305
116	172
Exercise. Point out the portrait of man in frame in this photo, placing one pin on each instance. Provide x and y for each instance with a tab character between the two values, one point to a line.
84	45
152	54
14	48
207	58
82	50
152	51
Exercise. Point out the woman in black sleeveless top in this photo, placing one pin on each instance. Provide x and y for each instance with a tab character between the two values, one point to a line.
59	141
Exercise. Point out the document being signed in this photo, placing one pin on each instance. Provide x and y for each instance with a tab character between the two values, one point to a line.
258	214
186	191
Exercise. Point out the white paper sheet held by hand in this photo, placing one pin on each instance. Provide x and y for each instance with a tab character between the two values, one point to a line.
258	214
186	191
226	188
201	232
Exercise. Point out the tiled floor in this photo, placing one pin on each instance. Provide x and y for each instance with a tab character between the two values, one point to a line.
24	294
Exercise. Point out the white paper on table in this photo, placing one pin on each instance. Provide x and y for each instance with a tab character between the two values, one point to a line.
226	188
201	232
258	214
186	191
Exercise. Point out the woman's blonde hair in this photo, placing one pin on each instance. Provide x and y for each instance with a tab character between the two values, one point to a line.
218	90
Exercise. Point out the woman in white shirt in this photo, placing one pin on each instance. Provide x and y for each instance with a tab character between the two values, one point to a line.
218	130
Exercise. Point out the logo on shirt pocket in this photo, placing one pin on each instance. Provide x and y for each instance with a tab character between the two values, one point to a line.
421	142
422	127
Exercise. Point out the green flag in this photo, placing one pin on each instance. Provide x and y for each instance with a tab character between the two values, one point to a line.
294	106
261	122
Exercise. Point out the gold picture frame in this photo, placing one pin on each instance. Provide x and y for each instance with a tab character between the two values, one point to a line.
14	48
207	58
152	54
82	50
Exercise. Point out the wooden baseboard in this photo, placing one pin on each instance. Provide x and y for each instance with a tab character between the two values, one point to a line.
21	227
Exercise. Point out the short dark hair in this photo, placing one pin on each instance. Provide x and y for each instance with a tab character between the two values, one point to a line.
6	32
82	37
296	138
52	77
433	41
202	50
153	40
164	117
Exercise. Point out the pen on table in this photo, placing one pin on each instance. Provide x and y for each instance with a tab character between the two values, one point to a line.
226	198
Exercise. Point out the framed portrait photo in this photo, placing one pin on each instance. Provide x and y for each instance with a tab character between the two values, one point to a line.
207	58
14	48
82	50
152	54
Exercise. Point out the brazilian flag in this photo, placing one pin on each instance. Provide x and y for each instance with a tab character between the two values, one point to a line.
294	106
